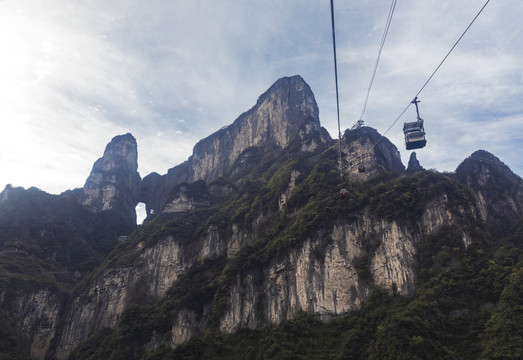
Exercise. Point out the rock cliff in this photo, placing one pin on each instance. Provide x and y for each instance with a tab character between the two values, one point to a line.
327	274
248	233
114	181
287	112
414	166
498	190
367	155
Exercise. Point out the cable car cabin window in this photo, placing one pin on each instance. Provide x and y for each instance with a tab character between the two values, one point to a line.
415	140
414	135
343	192
413	126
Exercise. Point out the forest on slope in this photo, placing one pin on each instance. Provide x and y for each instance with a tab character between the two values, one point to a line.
467	303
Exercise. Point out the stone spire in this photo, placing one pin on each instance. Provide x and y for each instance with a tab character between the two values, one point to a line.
114	181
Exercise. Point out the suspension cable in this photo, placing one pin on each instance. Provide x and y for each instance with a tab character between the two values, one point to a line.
383	38
336	81
434	72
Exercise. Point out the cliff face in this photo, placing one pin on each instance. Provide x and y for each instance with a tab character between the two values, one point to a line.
276	119
286	112
366	155
47	244
326	274
101	304
114	181
37	315
258	201
326	277
498	190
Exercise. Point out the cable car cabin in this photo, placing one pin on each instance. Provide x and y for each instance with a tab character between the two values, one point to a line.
414	135
344	192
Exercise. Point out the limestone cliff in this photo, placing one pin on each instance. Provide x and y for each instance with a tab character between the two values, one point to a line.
284	110
414	166
247	233
101	304
326	274
114	181
367	155
287	112
498	190
38	315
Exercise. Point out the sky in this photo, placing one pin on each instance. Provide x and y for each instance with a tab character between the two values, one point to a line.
76	73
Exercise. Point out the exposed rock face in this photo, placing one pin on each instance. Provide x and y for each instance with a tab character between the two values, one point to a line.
414	165
185	197
327	274
187	324
103	301
324	277
37	315
286	112
114	181
366	155
6	193
276	119
498	190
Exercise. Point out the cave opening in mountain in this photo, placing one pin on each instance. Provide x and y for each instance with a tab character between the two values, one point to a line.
141	213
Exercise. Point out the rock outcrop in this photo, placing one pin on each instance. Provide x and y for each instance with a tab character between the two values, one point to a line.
101	303
367	155
328	269
498	190
287	112
114	182
414	165
330	274
284	110
37	314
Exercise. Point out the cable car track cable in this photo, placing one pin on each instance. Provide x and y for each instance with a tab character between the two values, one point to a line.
383	38
434	72
336	82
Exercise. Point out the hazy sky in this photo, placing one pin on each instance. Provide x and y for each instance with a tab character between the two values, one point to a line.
76	73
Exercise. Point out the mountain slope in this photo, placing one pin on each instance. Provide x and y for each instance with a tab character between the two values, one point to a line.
252	253
47	244
416	236
287	112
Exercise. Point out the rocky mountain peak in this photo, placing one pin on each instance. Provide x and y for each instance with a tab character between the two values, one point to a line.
114	181
123	151
498	189
367	155
414	165
276	119
6	193
287	113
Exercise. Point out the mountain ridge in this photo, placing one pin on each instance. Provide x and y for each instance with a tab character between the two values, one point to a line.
264	242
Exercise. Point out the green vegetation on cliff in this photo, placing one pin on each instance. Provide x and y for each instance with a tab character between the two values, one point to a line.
467	304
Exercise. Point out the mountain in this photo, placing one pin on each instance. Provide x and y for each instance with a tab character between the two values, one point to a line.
256	135
48	243
251	252
114	181
414	165
498	191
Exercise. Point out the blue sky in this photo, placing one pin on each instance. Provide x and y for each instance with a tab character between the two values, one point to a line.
74	74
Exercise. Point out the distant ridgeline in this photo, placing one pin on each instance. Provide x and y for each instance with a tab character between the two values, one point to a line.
249	252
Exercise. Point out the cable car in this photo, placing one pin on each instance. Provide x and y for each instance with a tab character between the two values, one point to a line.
344	192
414	131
